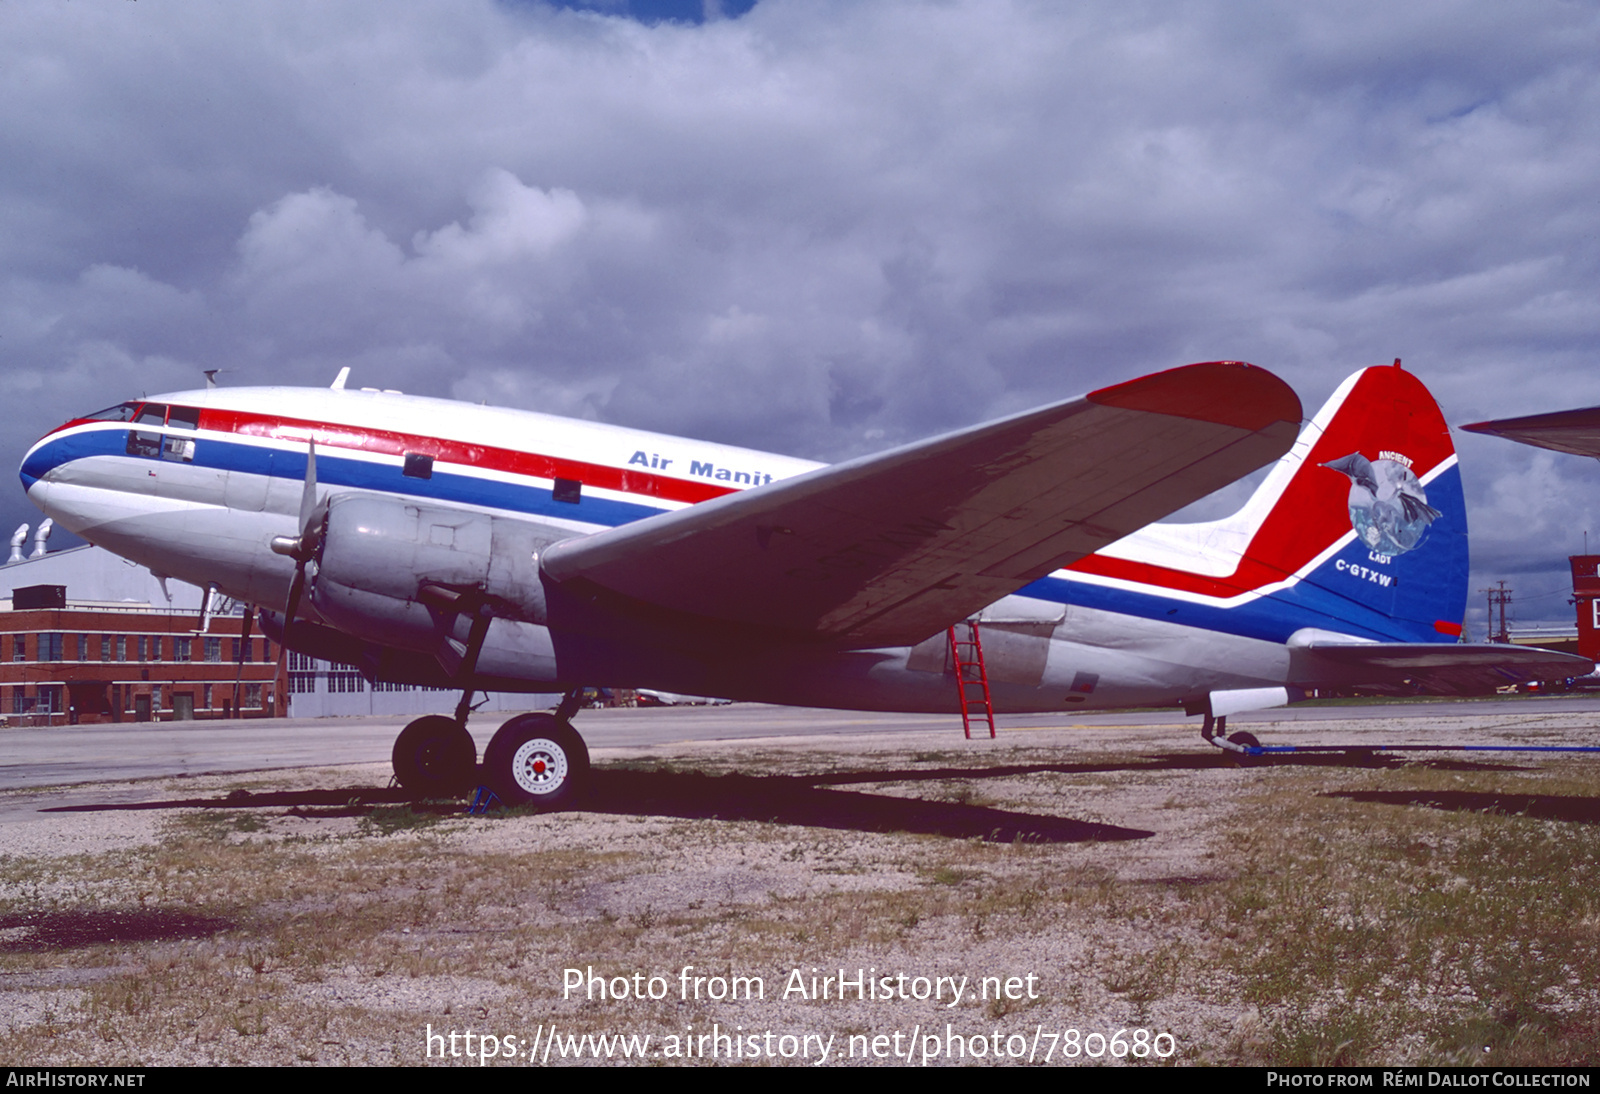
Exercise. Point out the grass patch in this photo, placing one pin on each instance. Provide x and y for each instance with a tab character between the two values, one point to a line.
385	820
1362	927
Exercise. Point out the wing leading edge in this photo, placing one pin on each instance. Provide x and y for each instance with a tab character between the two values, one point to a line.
888	549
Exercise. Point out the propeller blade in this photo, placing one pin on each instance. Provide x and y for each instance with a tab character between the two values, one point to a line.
308	495
296	588
301	547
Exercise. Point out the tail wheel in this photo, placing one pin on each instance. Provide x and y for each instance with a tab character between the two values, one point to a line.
434	757
537	759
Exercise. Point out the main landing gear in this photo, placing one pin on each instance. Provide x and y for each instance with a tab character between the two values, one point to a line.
533	759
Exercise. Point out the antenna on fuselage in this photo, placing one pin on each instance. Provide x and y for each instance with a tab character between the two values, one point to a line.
338	381
211	376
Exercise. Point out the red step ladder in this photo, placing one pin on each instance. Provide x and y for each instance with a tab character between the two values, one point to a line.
972	679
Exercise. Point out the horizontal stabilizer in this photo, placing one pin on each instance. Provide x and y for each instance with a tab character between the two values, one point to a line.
889	549
1407	668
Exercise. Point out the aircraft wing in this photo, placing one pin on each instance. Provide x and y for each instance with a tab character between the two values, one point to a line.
1574	431
1405	668
889	549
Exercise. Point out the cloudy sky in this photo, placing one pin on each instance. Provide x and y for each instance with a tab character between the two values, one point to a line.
811	227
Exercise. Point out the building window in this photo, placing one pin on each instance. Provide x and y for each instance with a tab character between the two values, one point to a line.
252	695
105	647
50	699
181	651
50	646
155	697
206	698
214	649
143	648
19	648
122	647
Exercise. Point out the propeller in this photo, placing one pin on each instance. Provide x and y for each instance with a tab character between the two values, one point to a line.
302	548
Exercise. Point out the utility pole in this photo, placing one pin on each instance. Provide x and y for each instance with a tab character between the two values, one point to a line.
1500	596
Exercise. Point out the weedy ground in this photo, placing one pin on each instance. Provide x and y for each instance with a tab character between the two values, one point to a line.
1335	910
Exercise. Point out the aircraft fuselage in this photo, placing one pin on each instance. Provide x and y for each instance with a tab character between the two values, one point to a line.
196	485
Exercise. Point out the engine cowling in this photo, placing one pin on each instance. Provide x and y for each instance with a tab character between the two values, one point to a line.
402	573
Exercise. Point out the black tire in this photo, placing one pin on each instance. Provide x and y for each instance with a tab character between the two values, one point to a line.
1244	739
538	760
435	758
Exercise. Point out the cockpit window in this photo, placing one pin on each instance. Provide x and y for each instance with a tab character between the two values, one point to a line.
152	414
122	412
184	417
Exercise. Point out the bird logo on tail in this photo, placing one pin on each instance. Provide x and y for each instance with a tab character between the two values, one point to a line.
1389	509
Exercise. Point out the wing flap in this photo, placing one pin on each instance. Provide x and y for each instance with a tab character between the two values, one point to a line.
888	549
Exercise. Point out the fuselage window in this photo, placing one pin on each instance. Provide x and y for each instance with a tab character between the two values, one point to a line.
178	449
144	444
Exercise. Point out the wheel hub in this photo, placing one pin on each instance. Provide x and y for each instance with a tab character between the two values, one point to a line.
539	766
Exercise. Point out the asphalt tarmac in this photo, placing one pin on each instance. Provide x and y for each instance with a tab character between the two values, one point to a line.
35	758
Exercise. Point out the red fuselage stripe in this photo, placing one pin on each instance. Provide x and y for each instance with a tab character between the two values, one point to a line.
506	460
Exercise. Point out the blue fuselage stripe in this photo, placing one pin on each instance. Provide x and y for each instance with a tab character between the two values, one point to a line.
1313	601
357	474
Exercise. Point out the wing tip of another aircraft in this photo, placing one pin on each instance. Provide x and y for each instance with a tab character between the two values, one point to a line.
1227	392
1573	431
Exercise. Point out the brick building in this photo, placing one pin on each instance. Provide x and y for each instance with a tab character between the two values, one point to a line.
84	662
86	635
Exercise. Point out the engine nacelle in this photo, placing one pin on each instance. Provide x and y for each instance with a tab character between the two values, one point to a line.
399	572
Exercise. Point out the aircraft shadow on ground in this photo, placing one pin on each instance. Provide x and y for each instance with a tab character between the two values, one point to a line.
1538	806
780	799
805	800
799	800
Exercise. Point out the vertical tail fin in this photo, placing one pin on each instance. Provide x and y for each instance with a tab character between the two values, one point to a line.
1360	529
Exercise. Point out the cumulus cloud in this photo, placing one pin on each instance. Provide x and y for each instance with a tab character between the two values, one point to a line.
820	228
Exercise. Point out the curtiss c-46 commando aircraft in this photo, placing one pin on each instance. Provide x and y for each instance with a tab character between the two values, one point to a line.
438	543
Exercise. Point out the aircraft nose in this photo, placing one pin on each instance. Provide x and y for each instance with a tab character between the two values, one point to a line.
35	472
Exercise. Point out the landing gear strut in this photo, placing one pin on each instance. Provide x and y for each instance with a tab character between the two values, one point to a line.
435	756
1215	732
534	759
